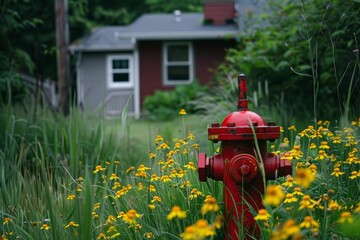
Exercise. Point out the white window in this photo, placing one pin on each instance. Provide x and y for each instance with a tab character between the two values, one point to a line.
177	63
120	71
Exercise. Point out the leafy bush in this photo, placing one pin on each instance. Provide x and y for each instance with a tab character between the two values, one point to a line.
309	50
166	104
11	88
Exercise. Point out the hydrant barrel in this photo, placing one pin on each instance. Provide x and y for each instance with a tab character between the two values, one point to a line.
238	165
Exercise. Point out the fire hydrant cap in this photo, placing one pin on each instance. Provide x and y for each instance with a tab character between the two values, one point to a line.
241	125
243	119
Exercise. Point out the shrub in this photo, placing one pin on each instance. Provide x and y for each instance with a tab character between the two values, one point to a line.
165	105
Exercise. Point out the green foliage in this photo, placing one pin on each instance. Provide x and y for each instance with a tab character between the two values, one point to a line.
170	6
12	89
166	104
308	49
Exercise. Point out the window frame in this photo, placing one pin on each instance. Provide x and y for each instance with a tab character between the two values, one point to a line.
110	71
189	63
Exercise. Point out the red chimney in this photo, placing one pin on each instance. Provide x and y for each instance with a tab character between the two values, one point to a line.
219	12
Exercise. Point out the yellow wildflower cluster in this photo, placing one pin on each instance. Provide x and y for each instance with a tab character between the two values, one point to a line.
322	160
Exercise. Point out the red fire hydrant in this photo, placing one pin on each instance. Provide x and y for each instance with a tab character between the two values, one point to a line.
238	165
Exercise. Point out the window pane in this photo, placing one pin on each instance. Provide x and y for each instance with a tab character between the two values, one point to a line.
178	73
178	53
120	77
120	64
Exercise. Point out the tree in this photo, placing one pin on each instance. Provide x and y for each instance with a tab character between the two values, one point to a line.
308	52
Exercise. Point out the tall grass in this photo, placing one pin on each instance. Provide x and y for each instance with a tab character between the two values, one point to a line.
51	188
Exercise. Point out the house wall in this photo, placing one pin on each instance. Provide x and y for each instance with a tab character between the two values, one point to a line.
95	92
208	54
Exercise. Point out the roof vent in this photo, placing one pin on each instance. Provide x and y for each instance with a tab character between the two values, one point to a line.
177	14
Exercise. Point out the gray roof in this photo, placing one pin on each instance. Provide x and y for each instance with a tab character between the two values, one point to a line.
185	26
103	39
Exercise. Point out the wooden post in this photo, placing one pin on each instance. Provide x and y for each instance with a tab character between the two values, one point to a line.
63	63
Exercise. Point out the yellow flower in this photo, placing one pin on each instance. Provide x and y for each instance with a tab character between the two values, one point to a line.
101	236
152	155
312	146
292	128
158	139
322	155
306	202
210	205
185	184
7	220
309	222
152	188
274	195
287	230
195	193
149	235
289	182
346	217
190	166
333	205
189	233
262	215
337	140
337	172
154	177
176	212
130	217
152	206
45	227
357	209
182	112
140	186
297	191
129	169
195	146
354	174
324	145
3	237
99	168
165	178
156	199
141	174
96	206
163	146
296	153
304	177
313	168
113	177
110	219
142	168
290	198
71	224
70	197
203	229
190	136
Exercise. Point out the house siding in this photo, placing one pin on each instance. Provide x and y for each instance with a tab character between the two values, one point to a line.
150	54
93	79
96	93
208	54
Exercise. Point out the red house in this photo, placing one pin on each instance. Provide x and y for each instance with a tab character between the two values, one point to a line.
117	65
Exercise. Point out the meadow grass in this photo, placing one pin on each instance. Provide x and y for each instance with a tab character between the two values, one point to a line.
71	178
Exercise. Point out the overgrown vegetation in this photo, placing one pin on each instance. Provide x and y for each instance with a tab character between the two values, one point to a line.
308	54
164	105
